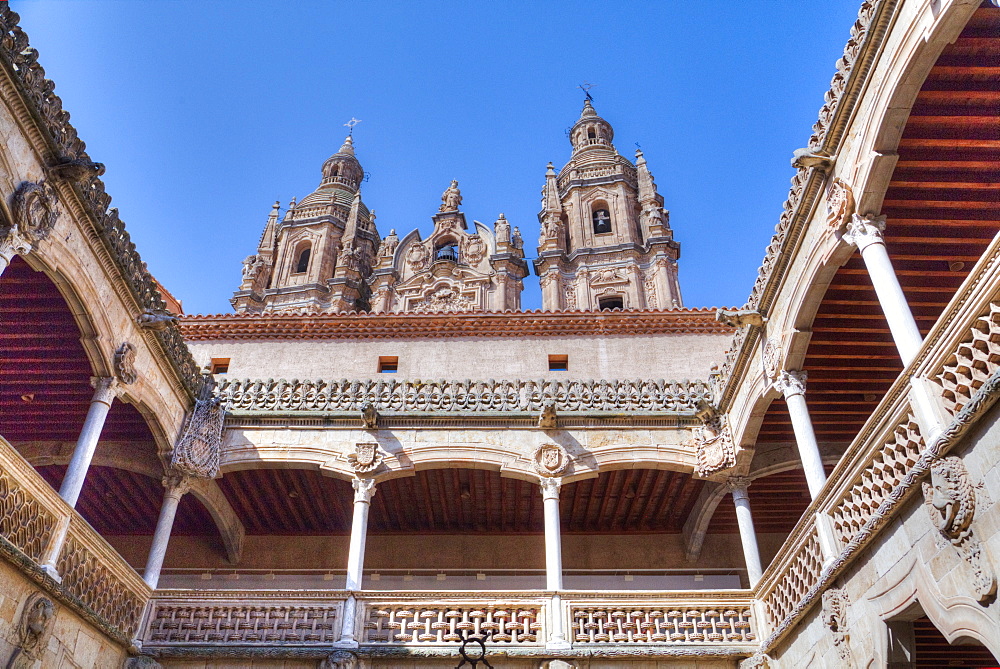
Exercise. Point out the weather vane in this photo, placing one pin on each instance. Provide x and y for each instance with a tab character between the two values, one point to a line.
350	125
585	87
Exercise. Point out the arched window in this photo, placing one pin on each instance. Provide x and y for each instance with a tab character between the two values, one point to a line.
447	251
611	302
303	262
602	219
591	133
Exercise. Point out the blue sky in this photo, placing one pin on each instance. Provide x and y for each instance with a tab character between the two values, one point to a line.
205	113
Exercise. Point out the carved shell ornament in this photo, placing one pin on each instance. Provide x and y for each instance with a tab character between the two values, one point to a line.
551	460
366	457
124	364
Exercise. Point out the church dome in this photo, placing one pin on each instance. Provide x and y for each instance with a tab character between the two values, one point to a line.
343	167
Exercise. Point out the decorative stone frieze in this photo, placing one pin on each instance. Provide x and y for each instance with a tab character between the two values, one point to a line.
33	629
551	460
141	662
835	603
124	363
366	458
839	204
645	624
196	453
280	395
24	520
950	500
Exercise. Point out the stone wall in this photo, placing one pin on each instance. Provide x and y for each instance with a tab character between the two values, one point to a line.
69	642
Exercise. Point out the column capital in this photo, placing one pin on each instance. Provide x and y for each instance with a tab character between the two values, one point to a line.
177	484
738	486
865	230
105	389
364	489
550	487
791	382
14	243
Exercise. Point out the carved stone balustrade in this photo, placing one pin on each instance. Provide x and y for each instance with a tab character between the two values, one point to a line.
710	623
94	580
273	396
449	623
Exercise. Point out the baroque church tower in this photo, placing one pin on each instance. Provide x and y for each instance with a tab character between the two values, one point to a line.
317	256
605	237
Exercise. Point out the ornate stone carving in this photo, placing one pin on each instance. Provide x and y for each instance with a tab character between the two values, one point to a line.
34	209
157	320
124	363
713	442
737	318
865	230
252	267
417	256
650	624
388	246
255	623
451	198
142	662
967	369
569	294
197	451
339	659
813	159
366	457
756	661
475	249
791	382
547	419
835	605
551	460
278	395
839	204
515	239
369	416
33	629
649	289
771	358
950	500
364	488
445	623
444	300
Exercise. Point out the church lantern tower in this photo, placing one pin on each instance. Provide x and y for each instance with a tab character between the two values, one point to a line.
316	258
605	237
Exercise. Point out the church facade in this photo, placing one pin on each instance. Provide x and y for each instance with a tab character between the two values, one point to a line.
380	460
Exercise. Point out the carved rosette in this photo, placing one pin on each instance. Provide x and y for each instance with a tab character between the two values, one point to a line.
839	204
124	363
835	603
367	457
551	460
950	500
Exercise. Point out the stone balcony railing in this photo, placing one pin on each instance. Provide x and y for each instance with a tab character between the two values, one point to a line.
414	395
194	623
959	367
93	579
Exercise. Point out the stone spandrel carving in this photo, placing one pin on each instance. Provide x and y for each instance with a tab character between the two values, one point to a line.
34	209
197	451
124	363
366	457
950	500
771	358
551	460
444	300
835	603
715	450
33	630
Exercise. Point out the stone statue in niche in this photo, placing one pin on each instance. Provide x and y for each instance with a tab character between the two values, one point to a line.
950	500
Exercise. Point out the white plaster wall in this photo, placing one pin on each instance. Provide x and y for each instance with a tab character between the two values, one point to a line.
669	357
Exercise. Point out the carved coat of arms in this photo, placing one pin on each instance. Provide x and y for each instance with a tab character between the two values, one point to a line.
366	457
551	460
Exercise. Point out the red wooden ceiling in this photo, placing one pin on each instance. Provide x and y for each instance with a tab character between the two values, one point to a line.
776	502
941	208
44	372
301	501
934	652
119	502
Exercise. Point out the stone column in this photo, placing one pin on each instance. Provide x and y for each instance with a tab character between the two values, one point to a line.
11	245
176	486
364	489
865	232
105	389
738	487
792	384
553	560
